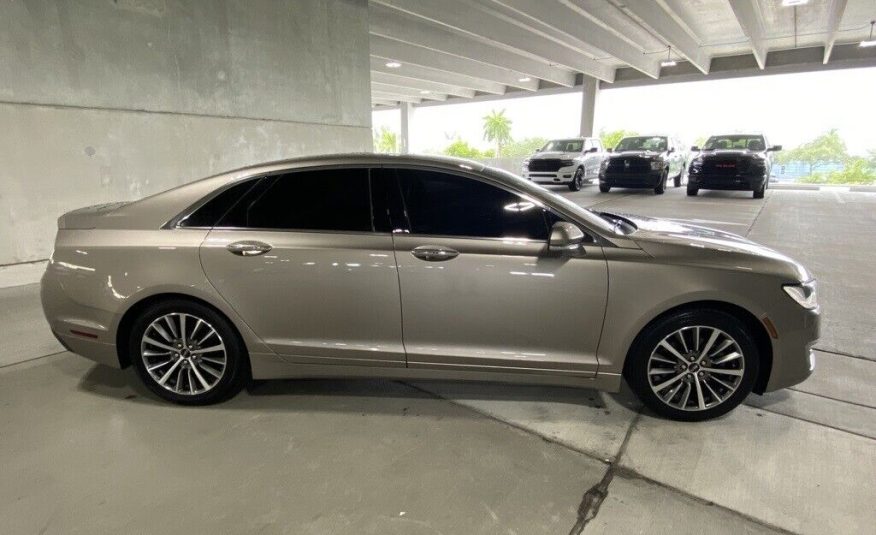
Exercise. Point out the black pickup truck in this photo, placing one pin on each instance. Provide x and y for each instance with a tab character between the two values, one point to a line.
732	162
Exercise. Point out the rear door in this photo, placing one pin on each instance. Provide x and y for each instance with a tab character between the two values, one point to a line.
479	288
302	260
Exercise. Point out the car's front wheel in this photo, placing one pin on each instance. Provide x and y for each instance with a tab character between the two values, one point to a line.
693	365
578	180
661	186
604	188
188	353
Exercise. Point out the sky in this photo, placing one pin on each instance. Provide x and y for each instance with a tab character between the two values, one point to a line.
789	109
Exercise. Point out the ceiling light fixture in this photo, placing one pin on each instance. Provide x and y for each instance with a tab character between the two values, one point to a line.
393	64
524	79
668	62
794	3
869	41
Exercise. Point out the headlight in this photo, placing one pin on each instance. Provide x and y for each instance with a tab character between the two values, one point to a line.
805	294
656	165
567	163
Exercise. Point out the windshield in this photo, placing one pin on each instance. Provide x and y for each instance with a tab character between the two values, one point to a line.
564	145
650	143
735	143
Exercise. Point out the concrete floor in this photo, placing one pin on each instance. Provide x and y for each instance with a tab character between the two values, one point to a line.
85	449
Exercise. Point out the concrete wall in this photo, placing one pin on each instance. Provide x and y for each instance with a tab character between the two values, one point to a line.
104	100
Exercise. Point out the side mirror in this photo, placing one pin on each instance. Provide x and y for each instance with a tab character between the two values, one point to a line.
591	149
609	149
774	148
537	150
694	149
565	236
670	151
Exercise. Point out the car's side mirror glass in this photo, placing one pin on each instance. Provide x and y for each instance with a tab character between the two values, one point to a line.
694	149
565	236
775	148
591	149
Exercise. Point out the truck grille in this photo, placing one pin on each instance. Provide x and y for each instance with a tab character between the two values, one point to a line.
632	165
547	165
725	166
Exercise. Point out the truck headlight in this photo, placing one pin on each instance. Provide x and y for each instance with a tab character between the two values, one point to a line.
656	165
804	293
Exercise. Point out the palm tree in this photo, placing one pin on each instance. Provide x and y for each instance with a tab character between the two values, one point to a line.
497	129
385	140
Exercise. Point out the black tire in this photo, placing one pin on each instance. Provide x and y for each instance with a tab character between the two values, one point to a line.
677	180
578	180
236	370
692	192
637	373
758	194
661	187
604	188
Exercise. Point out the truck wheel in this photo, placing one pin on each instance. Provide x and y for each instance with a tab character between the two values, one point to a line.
661	187
604	188
692	192
577	180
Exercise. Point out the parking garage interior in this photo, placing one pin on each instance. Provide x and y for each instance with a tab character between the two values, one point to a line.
113	101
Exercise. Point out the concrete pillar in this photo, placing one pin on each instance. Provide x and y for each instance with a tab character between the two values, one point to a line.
589	94
407	114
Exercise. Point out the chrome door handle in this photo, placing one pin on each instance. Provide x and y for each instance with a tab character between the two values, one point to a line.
248	248
434	253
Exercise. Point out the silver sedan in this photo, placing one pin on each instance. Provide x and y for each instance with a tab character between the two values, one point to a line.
408	267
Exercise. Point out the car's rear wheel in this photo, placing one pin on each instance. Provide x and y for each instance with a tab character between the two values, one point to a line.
578	180
188	353
604	188
677	180
693	365
692	192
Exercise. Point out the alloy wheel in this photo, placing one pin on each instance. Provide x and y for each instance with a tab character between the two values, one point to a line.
696	368
183	353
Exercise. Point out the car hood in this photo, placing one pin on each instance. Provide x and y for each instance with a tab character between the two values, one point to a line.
641	153
665	239
725	153
555	154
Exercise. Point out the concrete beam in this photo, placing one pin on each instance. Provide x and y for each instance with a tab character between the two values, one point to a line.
652	16
849	56
568	19
379	95
387	103
835	15
412	83
478	21
394	24
424	94
429	74
750	20
406	53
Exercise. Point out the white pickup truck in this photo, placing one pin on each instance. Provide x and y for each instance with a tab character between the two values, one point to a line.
569	161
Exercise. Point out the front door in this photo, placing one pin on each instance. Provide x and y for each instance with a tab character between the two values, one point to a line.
299	259
479	289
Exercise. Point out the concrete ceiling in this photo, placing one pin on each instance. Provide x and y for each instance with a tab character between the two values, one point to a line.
427	50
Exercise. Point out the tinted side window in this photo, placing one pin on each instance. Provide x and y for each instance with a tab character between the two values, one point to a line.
208	214
328	199
449	205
